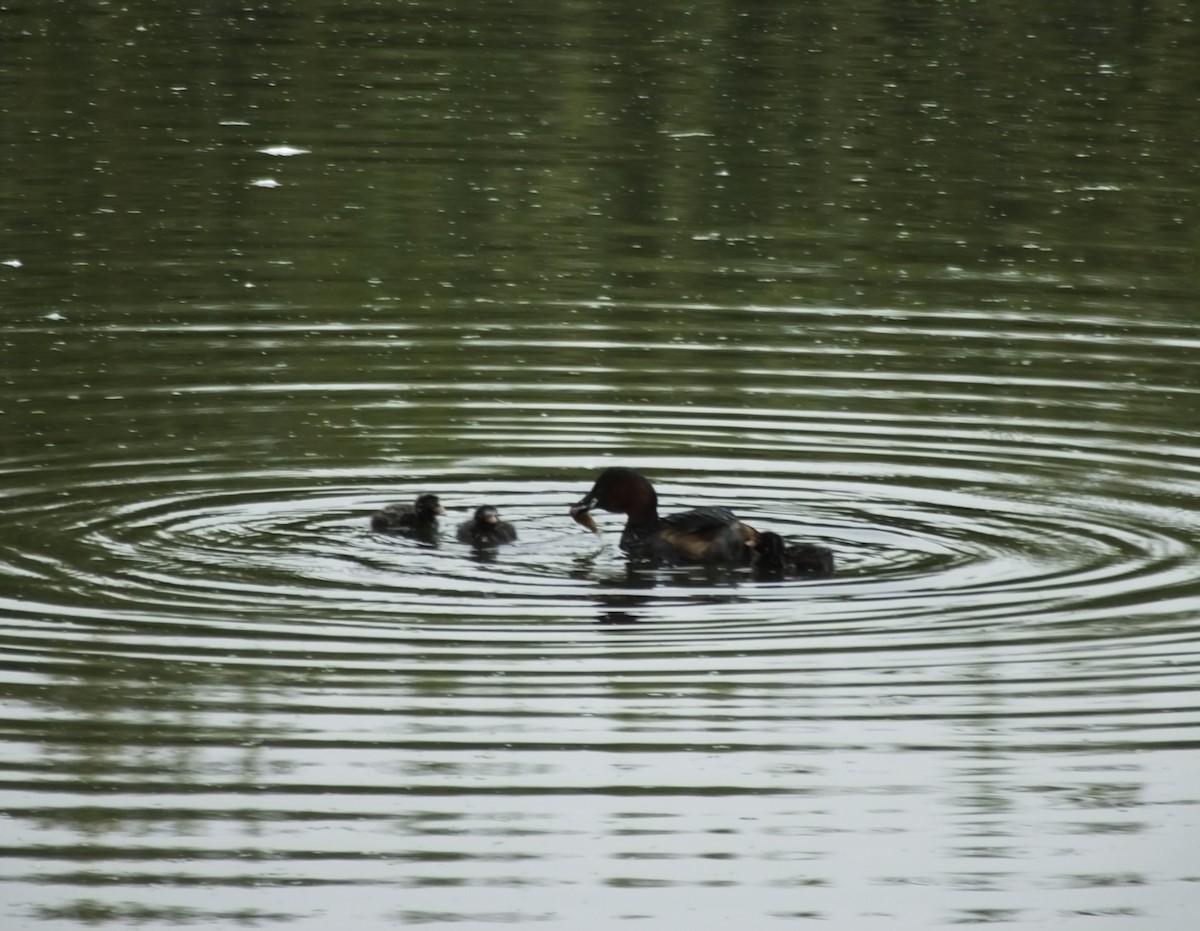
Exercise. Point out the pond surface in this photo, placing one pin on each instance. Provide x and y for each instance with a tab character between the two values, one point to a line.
916	283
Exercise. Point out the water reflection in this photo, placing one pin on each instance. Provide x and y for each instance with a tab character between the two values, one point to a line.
916	286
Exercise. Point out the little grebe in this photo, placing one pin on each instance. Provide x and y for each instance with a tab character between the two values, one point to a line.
702	535
416	519
486	528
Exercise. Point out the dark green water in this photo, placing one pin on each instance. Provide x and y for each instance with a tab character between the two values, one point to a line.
915	281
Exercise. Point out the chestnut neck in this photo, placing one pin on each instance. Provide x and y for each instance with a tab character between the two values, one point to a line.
624	491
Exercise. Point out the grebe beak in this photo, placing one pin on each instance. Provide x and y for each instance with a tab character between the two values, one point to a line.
579	514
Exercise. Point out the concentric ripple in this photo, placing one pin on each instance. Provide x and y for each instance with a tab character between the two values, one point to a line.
200	628
953	501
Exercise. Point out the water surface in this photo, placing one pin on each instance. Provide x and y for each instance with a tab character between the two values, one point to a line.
917	285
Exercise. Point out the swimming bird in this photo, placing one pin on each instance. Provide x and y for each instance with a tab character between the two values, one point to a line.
486	528
708	535
418	519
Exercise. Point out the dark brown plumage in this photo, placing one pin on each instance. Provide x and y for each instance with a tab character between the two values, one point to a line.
712	535
417	519
486	528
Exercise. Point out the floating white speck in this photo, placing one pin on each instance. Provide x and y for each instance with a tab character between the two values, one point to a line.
264	182
284	151
14	263
54	315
